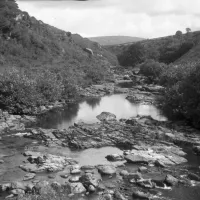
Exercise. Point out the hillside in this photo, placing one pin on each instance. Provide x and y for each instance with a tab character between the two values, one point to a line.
177	48
115	40
36	50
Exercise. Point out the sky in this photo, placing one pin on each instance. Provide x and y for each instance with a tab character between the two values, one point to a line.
139	18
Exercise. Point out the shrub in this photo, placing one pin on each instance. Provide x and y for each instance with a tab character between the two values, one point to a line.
135	54
152	69
20	90
182	95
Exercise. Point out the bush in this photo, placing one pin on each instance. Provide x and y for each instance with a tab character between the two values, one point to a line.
182	95
135	54
20	90
152	69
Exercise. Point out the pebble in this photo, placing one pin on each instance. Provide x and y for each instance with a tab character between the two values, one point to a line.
1	161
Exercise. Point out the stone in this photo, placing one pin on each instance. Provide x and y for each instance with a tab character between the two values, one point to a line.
196	149
1	161
193	176
87	167
143	169
107	197
170	180
29	176
75	171
136	159
76	188
124	173
106	169
140	195
18	185
17	192
106	116
159	163
114	157
145	183
51	176
10	196
41	187
74	179
90	179
64	176
91	188
135	176
5	186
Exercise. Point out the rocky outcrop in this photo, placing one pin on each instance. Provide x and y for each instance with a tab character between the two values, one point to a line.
10	122
97	90
39	162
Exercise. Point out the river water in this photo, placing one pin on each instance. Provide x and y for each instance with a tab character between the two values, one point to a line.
88	110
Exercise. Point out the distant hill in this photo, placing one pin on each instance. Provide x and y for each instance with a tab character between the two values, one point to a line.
115	40
171	49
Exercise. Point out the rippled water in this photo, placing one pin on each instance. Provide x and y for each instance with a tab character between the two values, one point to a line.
88	110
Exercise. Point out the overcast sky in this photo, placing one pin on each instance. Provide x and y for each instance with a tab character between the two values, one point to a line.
140	18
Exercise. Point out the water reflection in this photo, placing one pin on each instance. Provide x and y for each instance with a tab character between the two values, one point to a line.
88	110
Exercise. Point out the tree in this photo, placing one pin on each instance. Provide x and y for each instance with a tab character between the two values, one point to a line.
135	54
188	30
179	34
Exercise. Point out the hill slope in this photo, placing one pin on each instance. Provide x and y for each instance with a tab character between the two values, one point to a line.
49	62
115	40
178	48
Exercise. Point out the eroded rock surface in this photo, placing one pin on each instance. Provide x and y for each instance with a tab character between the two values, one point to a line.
39	162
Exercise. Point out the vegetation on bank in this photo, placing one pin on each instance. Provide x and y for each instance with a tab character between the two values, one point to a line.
173	62
182	88
40	64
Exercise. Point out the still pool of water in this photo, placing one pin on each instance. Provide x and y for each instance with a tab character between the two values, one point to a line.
88	110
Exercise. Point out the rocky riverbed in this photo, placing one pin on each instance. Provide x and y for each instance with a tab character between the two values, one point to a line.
133	158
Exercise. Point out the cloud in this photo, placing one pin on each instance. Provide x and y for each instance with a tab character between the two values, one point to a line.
142	18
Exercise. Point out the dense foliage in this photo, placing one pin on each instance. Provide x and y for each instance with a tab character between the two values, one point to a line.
182	95
182	88
22	91
152	69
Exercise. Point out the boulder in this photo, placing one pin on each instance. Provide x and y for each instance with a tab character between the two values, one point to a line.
114	157
136	159
90	179
76	188
106	116
170	180
106	169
